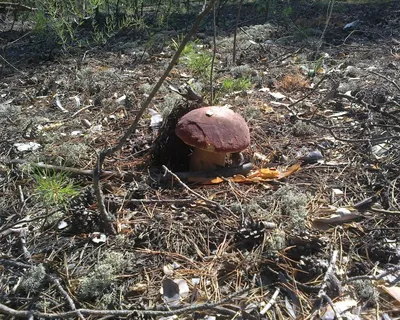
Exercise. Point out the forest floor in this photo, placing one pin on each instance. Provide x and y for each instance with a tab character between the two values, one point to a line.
263	245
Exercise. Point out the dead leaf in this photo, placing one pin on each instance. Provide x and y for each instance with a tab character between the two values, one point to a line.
290	170
260	175
239	178
392	291
260	156
267	108
340	307
174	291
204	180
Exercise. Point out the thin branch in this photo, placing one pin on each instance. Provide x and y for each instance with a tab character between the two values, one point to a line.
66	295
368	106
124	175
22	237
380	276
328	275
330	302
330	129
386	78
328	18
105	216
213	57
14	227
271	302
235	32
14	264
377	210
16	6
12	66
119	313
307	95
216	204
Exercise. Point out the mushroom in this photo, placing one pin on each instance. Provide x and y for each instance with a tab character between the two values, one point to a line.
214	132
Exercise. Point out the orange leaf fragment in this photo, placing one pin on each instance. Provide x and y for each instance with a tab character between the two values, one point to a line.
290	170
204	180
393	291
216	180
260	175
269	173
239	178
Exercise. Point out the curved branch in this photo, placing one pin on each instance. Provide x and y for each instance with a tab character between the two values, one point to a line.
105	216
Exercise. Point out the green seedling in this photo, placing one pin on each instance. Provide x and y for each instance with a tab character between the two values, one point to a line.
54	188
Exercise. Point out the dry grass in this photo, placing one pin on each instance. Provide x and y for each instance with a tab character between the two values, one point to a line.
292	82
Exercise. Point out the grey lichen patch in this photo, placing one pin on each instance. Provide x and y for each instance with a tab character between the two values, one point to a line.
244	71
74	154
249	208
146	88
85	80
33	279
276	240
53	219
366	292
257	33
293	207
252	113
100	281
107	299
170	101
67	153
8	109
302	129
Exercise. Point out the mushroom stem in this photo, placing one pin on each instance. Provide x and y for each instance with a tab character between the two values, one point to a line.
202	160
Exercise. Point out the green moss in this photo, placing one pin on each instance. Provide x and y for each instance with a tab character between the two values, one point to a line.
230	85
195	57
200	63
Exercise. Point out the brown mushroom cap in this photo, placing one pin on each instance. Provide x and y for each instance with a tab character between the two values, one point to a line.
214	129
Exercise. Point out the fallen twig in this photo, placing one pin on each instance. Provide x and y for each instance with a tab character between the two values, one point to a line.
380	276
5	262
271	302
384	211
328	273
12	66
322	291
14	227
386	78
330	128
66	295
16	6
124	175
223	172
216	204
118	313
22	237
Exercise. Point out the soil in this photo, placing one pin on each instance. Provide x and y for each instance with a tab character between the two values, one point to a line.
326	101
